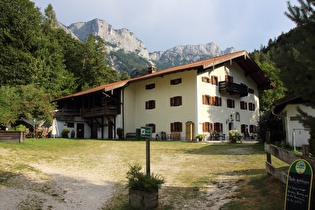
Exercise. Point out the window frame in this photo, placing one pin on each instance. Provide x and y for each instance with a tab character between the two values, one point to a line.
150	86
150	104
176	81
176	101
176	127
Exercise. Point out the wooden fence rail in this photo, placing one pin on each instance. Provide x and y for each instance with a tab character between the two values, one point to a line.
285	156
12	136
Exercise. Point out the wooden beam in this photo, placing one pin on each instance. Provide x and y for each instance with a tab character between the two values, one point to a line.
278	174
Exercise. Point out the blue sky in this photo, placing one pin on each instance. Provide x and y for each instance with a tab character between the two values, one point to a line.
163	24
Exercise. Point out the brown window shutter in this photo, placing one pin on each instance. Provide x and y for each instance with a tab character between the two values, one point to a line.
221	127
212	100
228	102
147	105
220	101
153	104
211	127
204	79
212	80
203	127
171	102
245	105
180	100
203	99
180	127
226	78
172	127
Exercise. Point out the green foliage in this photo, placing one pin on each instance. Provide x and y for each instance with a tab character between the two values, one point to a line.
120	133
18	128
129	61
139	181
234	136
65	133
201	137
72	134
272	123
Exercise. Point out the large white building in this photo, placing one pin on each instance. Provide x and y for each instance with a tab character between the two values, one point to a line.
207	97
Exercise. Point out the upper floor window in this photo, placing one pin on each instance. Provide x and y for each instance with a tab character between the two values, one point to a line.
150	86
176	101
243	105
230	103
228	78
251	106
150	104
251	90
214	80
211	100
206	79
176	81
176	127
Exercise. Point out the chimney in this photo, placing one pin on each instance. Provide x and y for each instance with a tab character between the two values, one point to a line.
151	69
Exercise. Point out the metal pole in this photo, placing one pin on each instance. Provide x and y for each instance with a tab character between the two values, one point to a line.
147	140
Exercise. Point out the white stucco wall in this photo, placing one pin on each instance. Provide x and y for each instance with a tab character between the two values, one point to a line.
296	133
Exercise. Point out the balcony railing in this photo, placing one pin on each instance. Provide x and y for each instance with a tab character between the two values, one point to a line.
94	112
233	88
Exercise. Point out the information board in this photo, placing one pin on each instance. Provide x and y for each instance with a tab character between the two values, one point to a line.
145	132
299	185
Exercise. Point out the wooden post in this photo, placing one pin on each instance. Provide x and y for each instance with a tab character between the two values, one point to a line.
147	140
268	142
305	150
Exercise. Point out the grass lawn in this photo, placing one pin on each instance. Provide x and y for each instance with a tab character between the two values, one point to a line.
197	175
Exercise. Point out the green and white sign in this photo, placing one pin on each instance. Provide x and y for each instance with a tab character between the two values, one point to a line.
145	132
299	185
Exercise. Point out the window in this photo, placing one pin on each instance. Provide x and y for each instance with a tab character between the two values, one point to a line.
206	99
152	127
206	79
218	127
244	128
70	125
230	103
252	129
251	106
243	105
176	81
214	80
228	78
150	104
251	90
176	127
150	86
207	127
211	100
176	101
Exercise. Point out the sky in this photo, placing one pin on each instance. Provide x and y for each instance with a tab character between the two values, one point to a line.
163	24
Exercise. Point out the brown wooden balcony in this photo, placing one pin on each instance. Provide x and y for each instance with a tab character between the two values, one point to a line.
86	113
233	88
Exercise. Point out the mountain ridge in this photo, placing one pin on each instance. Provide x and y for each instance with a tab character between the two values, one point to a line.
123	48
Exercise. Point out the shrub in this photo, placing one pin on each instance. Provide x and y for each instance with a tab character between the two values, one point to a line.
234	136
18	128
120	133
201	137
65	132
72	134
139	181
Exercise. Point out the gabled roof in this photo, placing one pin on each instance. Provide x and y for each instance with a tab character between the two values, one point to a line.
281	103
242	58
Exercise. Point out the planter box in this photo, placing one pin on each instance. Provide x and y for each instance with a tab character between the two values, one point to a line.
143	199
12	136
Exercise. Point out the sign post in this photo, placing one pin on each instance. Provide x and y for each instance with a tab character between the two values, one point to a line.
299	186
146	132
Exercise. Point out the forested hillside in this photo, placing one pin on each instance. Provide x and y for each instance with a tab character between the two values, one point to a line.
39	59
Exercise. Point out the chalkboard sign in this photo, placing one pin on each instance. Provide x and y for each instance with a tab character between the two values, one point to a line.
299	185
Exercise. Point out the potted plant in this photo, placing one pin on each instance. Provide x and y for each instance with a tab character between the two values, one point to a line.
143	188
234	136
201	137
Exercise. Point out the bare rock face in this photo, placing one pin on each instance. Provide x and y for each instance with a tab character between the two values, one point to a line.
125	42
115	39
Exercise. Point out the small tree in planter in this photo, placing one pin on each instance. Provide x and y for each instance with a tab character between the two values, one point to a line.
143	188
234	136
65	133
201	137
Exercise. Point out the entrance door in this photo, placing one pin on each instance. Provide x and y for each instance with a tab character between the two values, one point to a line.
80	131
110	129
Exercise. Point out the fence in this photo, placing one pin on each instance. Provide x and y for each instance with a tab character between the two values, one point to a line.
283	155
12	136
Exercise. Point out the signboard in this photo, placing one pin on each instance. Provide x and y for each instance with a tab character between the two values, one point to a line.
299	185
145	132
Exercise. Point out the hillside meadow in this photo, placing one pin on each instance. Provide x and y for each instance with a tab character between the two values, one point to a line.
74	173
